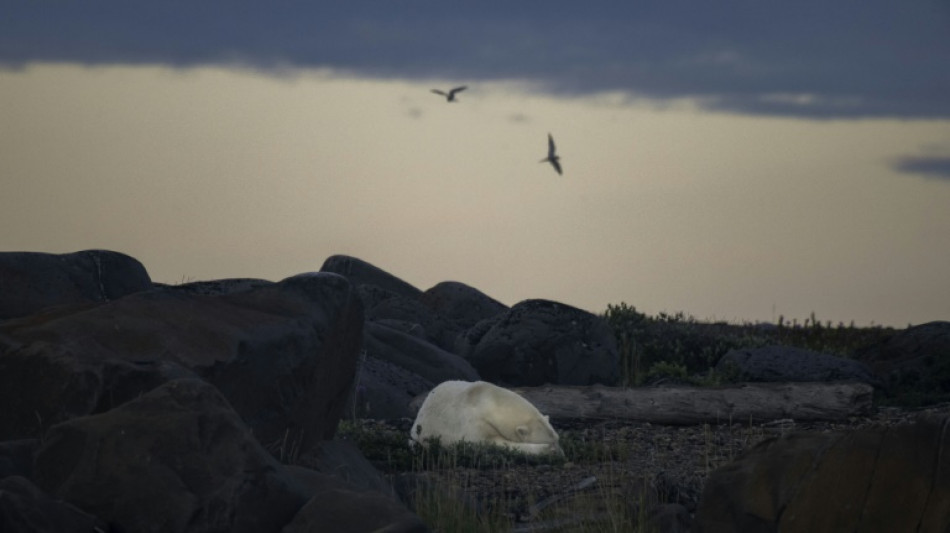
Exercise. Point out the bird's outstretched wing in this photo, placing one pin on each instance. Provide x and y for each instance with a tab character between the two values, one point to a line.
436	91
550	146
458	89
557	166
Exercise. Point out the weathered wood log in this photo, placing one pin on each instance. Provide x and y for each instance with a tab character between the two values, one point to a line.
682	405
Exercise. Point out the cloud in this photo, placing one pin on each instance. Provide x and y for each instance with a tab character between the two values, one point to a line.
930	166
814	58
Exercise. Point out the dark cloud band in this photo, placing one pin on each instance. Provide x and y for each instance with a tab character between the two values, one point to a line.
816	59
933	167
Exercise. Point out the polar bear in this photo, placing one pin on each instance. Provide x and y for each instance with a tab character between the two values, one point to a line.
479	411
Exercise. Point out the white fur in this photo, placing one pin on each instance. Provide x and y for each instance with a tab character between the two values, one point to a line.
478	411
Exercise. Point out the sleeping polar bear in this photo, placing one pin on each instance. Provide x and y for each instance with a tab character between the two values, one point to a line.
478	411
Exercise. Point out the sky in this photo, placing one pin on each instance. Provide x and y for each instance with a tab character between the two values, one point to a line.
738	161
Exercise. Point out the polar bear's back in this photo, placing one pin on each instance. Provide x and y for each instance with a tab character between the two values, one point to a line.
449	409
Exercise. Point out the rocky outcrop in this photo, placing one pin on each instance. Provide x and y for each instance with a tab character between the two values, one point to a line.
33	281
540	341
874	479
360	272
465	306
409	315
409	338
168	409
25	508
914	364
176	459
786	363
397	367
284	354
180	459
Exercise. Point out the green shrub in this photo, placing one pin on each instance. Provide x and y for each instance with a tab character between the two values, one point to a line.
681	342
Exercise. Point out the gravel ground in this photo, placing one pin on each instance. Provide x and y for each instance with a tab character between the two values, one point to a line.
669	464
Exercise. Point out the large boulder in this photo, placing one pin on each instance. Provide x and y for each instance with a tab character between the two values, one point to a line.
914	364
25	508
437	315
397	367
540	341
416	355
874	479
384	390
32	281
463	305
787	363
360	272
342	510
16	457
284	354
176	459
410	315
179	459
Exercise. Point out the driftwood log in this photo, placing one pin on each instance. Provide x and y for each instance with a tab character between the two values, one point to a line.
756	402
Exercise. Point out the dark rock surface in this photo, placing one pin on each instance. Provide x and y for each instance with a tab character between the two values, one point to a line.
414	316
25	508
343	460
284	355
33	281
399	366
16	457
360	272
216	287
465	306
417	356
874	479
913	363
179	458
344	510
384	390
786	363
176	459
540	341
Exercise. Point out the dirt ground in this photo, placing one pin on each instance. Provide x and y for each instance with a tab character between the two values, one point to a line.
633	462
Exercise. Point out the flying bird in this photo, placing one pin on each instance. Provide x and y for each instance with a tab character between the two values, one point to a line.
450	96
552	158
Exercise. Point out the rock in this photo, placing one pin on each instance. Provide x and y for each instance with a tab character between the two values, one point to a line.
462	304
540	341
284	354
33	281
43	383
349	511
419	357
384	391
217	286
360	272
786	363
340	478
343	460
412	316
670	518
25	508
439	315
397	367
914	364
16	457
874	479
176	459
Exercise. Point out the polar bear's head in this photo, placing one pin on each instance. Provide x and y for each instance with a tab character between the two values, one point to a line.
519	423
537	436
